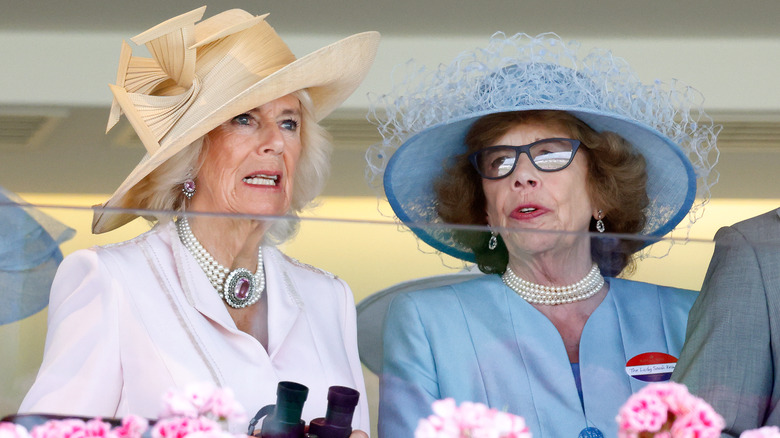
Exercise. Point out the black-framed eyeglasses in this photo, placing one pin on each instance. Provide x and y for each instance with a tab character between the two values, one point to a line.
548	155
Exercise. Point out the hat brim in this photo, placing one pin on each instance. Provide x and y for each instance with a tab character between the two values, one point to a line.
348	62
29	256
372	310
418	162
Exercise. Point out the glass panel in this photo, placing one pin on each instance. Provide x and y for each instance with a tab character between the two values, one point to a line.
377	258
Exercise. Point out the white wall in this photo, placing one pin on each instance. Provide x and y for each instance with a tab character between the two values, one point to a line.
74	69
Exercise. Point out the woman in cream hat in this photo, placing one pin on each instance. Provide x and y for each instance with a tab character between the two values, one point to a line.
540	144
229	119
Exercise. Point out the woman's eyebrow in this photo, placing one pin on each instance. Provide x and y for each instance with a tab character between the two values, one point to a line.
291	112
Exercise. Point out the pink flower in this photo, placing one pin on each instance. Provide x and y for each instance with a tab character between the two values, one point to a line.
471	416
445	408
177	404
223	405
194	400
511	426
202	399
211	434
73	428
200	395
676	397
181	427
97	428
70	428
701	422
668	410
11	430
132	426
185	415
473	420
643	412
764	432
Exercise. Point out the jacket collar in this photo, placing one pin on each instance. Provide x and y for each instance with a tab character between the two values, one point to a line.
283	297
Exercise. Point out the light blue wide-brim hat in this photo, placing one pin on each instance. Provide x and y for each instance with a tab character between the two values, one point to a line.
29	256
425	118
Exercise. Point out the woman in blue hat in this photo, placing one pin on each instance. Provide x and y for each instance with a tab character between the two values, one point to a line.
542	147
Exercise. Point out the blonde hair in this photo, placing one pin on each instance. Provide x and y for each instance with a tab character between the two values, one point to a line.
161	190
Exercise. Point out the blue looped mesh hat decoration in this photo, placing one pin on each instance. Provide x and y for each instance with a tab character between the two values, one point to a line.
425	118
29	257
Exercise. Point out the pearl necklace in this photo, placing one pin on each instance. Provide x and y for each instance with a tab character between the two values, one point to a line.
553	295
239	288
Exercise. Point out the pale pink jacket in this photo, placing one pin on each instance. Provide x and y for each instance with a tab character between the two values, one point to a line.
131	320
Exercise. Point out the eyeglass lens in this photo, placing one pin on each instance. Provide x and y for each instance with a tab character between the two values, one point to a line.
547	155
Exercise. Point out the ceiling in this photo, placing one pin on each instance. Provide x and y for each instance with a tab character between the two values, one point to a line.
607	18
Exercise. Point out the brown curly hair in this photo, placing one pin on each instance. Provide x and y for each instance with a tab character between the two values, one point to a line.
616	183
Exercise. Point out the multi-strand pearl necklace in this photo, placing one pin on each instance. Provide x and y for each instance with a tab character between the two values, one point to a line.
239	287
553	295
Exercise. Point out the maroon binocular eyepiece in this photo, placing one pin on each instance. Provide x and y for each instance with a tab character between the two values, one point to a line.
337	422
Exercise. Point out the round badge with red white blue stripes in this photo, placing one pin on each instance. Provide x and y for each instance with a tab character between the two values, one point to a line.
651	367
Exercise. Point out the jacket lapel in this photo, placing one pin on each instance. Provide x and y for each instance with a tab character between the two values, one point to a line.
603	348
632	321
196	286
542	353
283	298
529	350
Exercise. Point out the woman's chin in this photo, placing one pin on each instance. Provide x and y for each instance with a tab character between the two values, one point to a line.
265	214
244	213
532	242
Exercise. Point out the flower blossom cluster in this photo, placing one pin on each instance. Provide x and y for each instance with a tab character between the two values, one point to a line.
666	410
11	430
131	427
472	420
195	412
202	399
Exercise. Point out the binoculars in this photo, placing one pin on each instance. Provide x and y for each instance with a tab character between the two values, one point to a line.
283	420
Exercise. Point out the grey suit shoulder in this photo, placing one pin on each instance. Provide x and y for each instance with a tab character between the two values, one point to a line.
733	335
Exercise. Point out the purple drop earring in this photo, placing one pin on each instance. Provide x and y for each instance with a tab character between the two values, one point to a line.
188	188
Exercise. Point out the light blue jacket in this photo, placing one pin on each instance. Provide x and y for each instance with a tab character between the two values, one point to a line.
478	341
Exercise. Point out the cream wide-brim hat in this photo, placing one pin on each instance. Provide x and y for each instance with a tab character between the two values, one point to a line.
201	75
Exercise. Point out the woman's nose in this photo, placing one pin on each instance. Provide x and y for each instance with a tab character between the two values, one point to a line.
271	140
525	174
